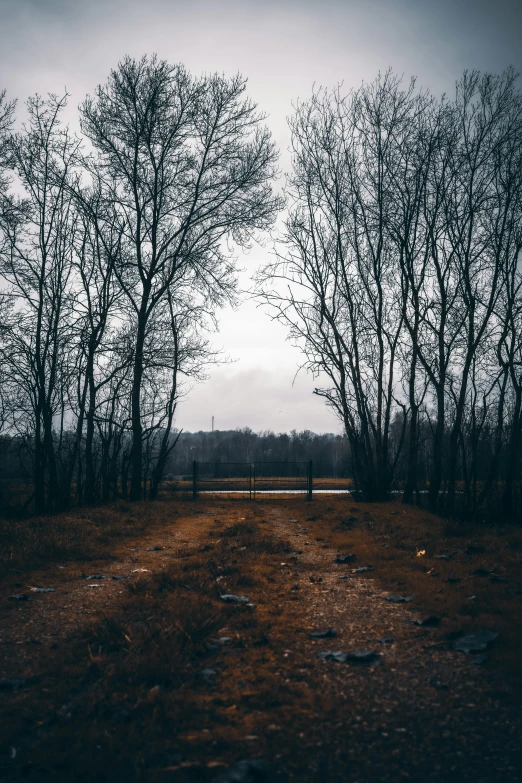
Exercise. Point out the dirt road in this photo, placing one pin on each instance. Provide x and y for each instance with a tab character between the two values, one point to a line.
252	685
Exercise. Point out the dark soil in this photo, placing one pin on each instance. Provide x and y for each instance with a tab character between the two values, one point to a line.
144	673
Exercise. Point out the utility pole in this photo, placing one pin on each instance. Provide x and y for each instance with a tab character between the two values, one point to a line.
212	424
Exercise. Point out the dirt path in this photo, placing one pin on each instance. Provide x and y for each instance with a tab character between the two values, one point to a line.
419	711
48	620
425	712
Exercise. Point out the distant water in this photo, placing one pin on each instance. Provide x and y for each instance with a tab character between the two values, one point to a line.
273	492
300	492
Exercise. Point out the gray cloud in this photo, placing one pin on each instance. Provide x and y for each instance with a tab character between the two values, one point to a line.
283	47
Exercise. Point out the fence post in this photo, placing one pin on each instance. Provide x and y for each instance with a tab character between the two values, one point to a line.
310	480
194	480
254	467
250	480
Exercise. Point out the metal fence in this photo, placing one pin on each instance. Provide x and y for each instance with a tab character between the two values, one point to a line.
252	477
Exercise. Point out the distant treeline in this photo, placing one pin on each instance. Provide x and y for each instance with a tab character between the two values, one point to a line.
329	452
331	455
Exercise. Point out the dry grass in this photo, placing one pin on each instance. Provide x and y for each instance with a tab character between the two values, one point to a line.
153	635
83	535
390	535
126	696
136	673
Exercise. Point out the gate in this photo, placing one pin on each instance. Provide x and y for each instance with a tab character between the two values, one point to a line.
252	477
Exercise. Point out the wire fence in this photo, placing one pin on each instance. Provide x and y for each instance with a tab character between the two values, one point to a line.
248	478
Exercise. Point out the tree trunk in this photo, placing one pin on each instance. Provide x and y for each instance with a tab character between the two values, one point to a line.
125	465
90	473
436	476
454	446
508	506
50	459
497	447
104	470
411	478
75	458
136	456
39	468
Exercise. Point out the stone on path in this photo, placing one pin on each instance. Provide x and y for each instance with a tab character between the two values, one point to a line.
234	599
246	771
475	642
329	634
399	599
367	657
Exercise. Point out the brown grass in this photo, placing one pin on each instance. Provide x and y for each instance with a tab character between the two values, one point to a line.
390	535
125	681
83	535
126	696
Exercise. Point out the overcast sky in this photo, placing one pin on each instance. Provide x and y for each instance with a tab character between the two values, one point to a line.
283	47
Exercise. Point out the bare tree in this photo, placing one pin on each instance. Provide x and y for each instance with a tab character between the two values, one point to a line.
507	246
184	353
188	165
410	172
7	109
337	286
398	273
98	248
479	216
6	121
400	277
37	265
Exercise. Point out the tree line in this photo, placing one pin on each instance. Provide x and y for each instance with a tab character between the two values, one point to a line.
329	452
399	275
396	271
117	250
